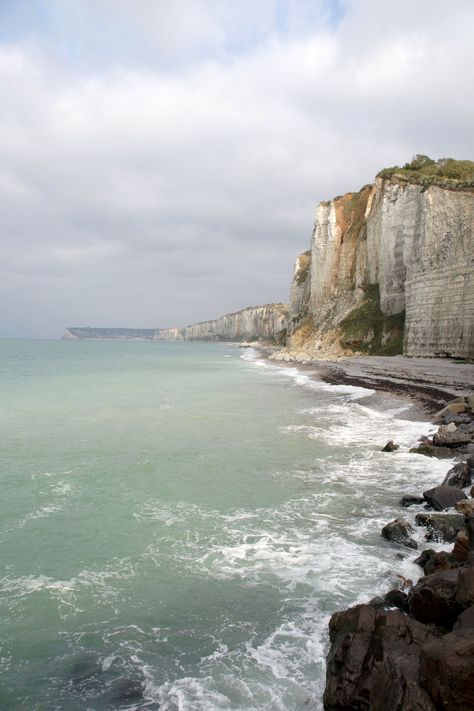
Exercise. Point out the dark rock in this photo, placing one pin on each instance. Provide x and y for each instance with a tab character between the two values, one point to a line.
470	530
447	670
460	475
390	446
433	599
443	497
391	691
441	526
461	547
432	561
465	619
399	532
466	507
397	598
407	500
370	649
429	450
465	589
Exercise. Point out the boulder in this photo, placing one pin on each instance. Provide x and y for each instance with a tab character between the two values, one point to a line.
447	670
465	589
443	497
441	526
466	507
461	547
373	652
433	599
433	561
460	475
397	598
450	436
408	500
399	531
465	619
390	446
429	450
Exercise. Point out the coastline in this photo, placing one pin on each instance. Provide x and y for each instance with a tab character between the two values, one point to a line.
413	647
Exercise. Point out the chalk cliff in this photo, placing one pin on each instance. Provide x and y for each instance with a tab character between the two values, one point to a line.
169	334
390	270
254	323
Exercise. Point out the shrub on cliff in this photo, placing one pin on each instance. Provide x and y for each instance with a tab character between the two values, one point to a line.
445	172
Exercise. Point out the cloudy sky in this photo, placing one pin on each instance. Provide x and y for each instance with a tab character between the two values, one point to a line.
161	161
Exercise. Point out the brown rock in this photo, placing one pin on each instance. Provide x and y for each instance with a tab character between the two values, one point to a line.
429	450
390	446
433	599
465	589
461	547
450	436
441	526
370	649
460	475
399	531
466	507
443	497
447	670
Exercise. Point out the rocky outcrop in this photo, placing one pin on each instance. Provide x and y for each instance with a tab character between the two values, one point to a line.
266	323
391	270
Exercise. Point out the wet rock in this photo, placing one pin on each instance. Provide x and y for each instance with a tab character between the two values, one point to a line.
443	497
465	619
466	507
460	475
397	598
433	561
370	649
461	547
433	599
390	446
450	436
441	526
408	500
447	670
399	531
429	450
465	589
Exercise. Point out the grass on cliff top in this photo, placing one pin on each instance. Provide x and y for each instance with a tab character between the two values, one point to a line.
366	329
445	172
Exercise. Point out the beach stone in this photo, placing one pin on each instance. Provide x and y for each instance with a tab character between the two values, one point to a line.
433	599
460	475
397	598
390	446
371	649
399	531
447	670
408	500
466	507
441	526
443	497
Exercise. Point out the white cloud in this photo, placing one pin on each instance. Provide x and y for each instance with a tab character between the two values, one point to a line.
152	189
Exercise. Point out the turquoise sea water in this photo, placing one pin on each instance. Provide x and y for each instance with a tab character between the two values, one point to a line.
178	522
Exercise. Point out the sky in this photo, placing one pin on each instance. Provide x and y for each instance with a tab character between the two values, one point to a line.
161	162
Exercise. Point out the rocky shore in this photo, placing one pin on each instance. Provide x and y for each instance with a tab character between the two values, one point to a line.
413	648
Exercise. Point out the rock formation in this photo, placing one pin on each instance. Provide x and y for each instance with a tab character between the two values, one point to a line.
390	270
251	324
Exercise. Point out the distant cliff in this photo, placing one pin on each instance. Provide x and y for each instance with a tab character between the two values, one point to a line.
254	323
390	269
266	323
90	333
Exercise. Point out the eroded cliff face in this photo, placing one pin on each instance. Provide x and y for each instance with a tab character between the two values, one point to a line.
169	334
391	268
266	322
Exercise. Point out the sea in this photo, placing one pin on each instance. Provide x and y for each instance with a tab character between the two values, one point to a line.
180	520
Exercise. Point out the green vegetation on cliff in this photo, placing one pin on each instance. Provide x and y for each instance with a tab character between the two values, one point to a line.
445	172
366	329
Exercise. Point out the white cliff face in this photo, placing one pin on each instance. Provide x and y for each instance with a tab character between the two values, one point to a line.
261	322
415	244
169	334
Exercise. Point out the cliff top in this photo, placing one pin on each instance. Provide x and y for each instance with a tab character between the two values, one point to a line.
284	308
444	172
